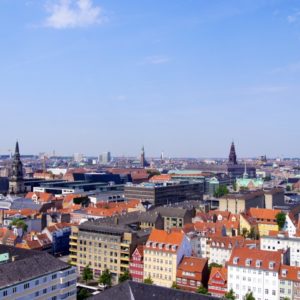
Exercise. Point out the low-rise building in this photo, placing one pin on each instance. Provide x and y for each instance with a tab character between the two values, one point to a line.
192	272
217	284
281	241
256	271
136	265
240	202
289	282
163	253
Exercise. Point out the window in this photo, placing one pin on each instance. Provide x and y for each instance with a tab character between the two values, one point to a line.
44	291
4	293
14	290
54	276
26	286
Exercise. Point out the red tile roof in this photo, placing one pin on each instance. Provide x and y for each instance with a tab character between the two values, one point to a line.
193	265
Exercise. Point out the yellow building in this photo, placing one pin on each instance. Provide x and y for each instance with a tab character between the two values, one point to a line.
162	254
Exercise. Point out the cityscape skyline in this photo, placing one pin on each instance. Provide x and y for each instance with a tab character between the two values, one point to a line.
90	76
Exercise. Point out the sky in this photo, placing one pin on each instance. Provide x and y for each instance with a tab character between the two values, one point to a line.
186	77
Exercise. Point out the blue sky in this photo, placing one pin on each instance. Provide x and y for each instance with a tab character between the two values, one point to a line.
183	76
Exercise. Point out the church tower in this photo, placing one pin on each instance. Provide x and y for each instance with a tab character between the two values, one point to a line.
143	160
16	182
232	155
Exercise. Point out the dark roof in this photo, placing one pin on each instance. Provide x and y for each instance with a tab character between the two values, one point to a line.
131	290
174	212
27	264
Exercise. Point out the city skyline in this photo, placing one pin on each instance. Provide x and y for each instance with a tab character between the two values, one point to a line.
185	78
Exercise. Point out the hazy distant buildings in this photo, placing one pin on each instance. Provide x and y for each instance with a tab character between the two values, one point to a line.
104	158
78	157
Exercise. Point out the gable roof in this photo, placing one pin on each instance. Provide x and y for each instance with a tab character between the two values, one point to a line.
130	290
222	272
191	264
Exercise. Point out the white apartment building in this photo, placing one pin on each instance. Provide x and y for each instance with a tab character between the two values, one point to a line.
282	241
256	271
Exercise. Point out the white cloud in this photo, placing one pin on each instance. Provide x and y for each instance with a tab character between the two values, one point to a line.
73	13
294	17
157	60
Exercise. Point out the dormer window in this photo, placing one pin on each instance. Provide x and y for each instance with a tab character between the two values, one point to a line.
213	243
248	262
230	245
258	263
222	245
174	247
271	265
148	244
154	245
283	273
235	260
160	246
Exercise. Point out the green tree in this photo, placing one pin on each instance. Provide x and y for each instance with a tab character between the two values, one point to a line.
245	232
175	285
234	186
83	294
148	280
202	290
253	234
288	188
210	266
230	295
105	278
221	191
249	296
280	219
19	224
125	276
87	274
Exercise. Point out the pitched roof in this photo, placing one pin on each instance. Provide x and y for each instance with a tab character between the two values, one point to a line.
255	258
130	290
164	237
263	213
289	273
194	265
27	265
222	272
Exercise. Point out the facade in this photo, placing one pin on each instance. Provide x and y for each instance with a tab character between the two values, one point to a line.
16	181
167	193
104	245
136	266
59	234
274	197
217	284
176	217
28	275
162	255
221	248
240	202
192	272
289	282
282	241
256	271
104	158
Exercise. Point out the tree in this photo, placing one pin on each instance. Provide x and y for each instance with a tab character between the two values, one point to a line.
19	224
253	234
210	266
148	280
280	219
230	295
202	290
174	285
234	186
249	296
125	276
83	294
288	188
105	278
221	191
245	232
87	274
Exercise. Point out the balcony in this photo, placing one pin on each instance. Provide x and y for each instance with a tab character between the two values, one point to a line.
72	243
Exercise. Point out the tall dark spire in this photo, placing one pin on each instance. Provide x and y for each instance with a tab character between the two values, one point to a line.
16	185
232	155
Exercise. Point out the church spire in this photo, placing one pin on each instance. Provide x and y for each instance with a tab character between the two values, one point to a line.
17	150
232	155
